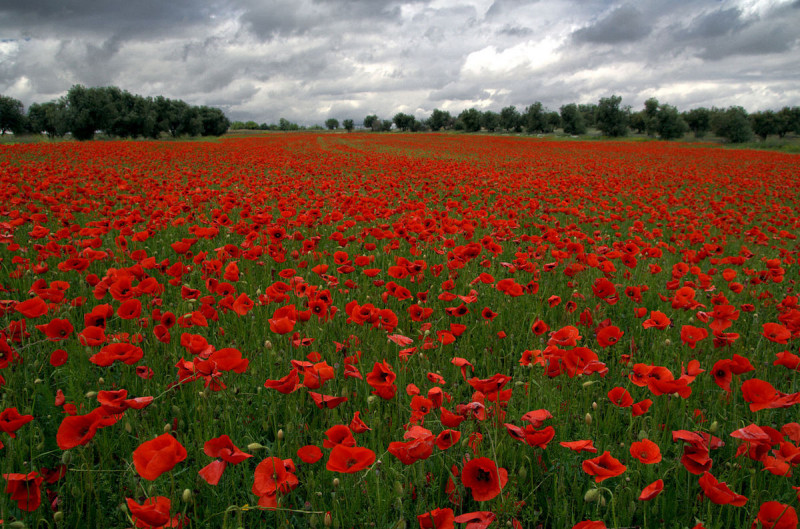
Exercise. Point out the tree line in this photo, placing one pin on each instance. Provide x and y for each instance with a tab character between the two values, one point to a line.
609	116
83	112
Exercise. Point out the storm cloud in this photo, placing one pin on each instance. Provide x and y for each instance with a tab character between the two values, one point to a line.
308	60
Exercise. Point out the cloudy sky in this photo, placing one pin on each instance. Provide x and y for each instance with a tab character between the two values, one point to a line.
308	60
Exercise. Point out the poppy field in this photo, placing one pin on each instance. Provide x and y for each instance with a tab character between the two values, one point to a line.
398	331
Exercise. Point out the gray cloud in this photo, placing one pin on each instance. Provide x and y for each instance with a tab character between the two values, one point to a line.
624	24
307	60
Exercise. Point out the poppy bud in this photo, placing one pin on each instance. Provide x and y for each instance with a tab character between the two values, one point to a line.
167	428
176	411
267	345
602	501
642	435
38	381
588	383
594	405
591	495
58	516
90	394
252	447
588	419
186	496
371	400
66	457
17	525
101	381
667	342
335	483
522	472
398	488
328	520
714	427
313	521
280	435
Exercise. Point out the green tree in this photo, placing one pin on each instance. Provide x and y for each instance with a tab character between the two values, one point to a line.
572	119
611	119
490	120
348	125
214	121
50	118
89	110
669	124
12	117
589	113
764	123
470	119
386	125
404	121
510	119
698	120
553	120
332	123
638	122
534	118
440	119
650	116
372	122
732	124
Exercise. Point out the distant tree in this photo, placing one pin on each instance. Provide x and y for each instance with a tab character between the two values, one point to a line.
249	125
572	119
553	120
332	123
470	120
12	117
669	124
404	121
510	119
788	120
534	118
214	121
764	123
732	124
372	122
490	120
611	119
89	110
650	116
698	120
286	125
638	122
440	119
386	125
589	113
50	118
348	125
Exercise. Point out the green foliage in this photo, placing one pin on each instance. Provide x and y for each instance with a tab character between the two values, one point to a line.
611	119
732	124
572	119
348	125
372	122
764	123
510	119
669	124
470	120
490	120
698	120
50	118
404	121
332	123
12	117
440	119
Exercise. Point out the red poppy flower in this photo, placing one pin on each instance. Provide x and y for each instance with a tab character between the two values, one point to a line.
153	458
775	515
484	479
640	408
154	512
271	476
58	329
309	454
775	332
620	397
348	459
130	309
338	434
11	421
603	467
646	451
658	320
117	352
436	519
759	394
652	490
32	308
584	445
25	490
691	335
608	336
719	493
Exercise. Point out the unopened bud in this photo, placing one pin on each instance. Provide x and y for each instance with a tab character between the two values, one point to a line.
267	345
594	405
714	427
588	419
90	394
335	483
167	428
58	516
328	520
254	447
592	495
128	427
186	496
101	381
66	457
398	488
280	435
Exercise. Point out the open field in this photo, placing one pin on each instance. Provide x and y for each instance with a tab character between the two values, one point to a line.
390	330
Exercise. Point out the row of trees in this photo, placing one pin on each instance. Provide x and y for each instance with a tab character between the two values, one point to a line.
608	116
83	112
